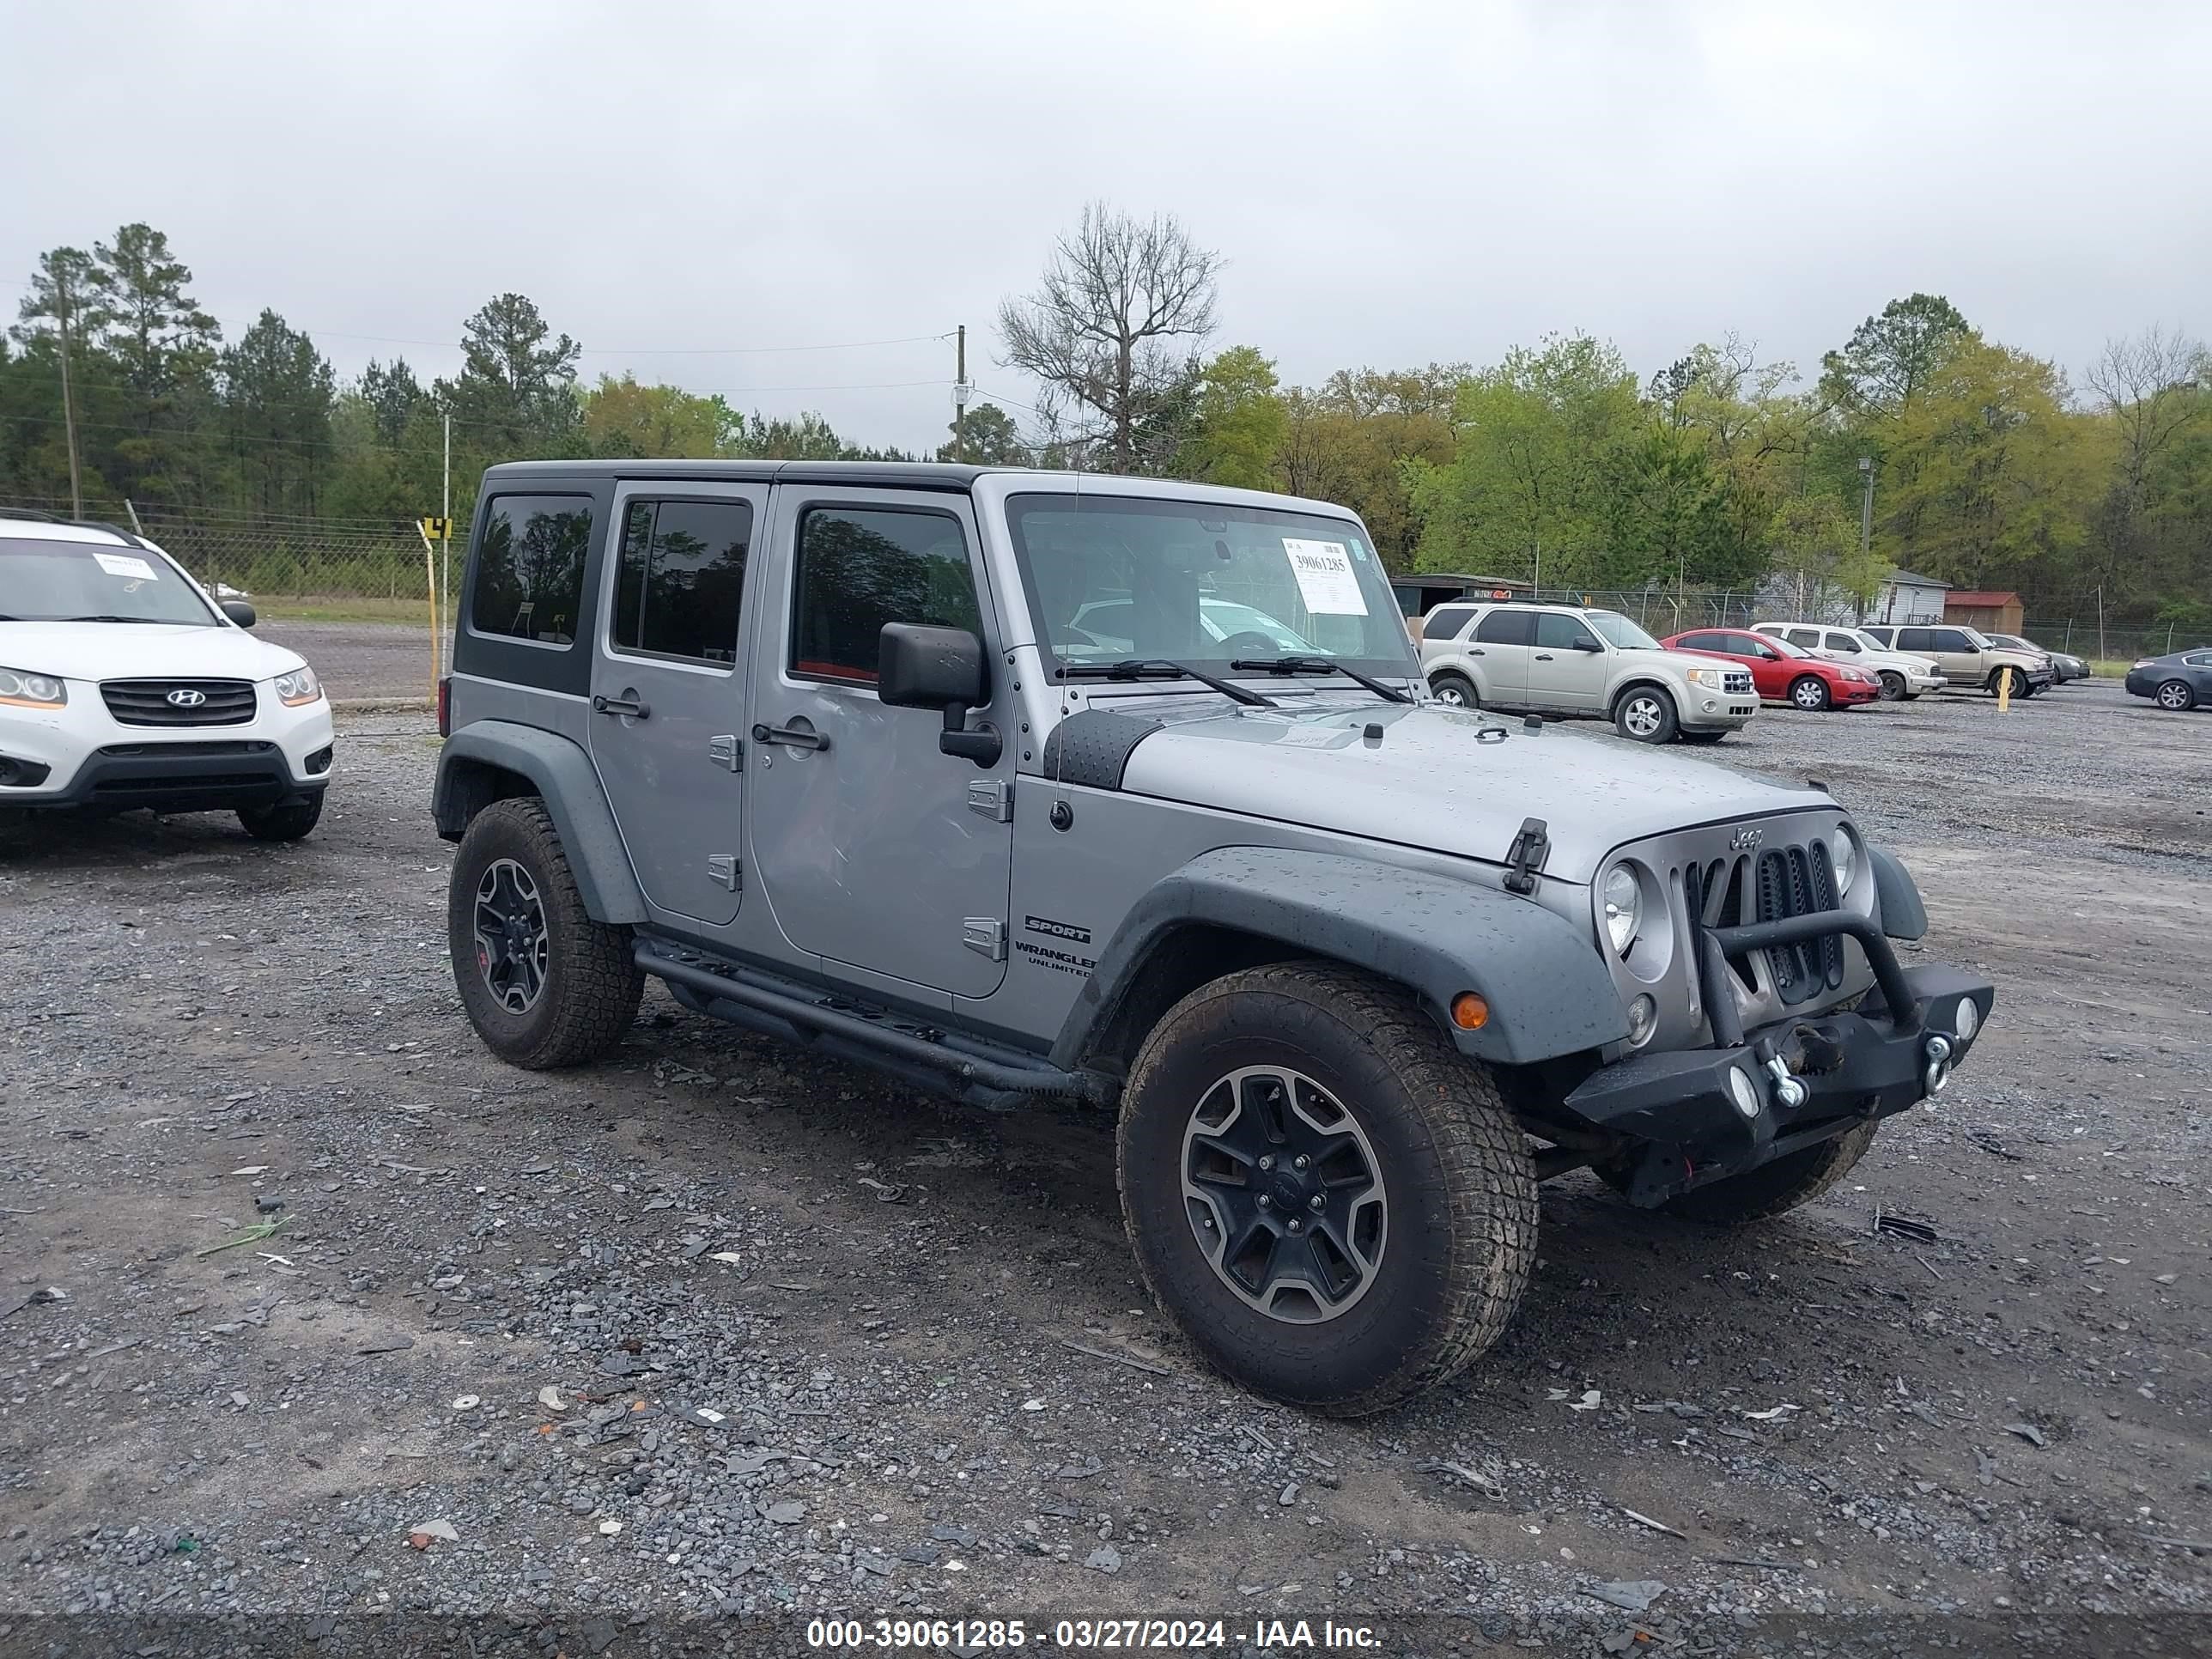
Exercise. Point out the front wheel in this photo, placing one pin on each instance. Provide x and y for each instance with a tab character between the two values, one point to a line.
1643	715
2178	696
291	821
1333	1204
2019	682
1892	686
1809	692
1454	691
544	984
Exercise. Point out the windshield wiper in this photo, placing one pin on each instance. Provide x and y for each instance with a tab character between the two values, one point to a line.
1160	668
163	622
1320	665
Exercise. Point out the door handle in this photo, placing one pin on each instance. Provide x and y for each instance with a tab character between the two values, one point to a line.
629	707
1543	656
1478	650
791	735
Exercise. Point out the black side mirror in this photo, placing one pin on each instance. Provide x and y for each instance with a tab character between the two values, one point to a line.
941	668
1586	643
239	612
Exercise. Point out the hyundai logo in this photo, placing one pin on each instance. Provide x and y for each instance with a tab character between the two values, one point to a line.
184	697
1745	839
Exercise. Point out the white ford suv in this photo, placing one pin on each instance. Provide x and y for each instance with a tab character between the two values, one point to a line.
123	684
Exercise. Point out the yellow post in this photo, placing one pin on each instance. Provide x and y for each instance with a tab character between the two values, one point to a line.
2004	690
430	575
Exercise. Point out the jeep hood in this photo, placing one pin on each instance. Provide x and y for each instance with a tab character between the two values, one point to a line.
1445	779
117	651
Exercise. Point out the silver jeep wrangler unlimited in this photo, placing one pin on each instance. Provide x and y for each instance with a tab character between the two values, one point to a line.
1029	787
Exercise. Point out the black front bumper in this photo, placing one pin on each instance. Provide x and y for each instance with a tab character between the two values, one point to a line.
211	776
1696	1115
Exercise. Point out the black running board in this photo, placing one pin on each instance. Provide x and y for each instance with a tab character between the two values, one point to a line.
857	1032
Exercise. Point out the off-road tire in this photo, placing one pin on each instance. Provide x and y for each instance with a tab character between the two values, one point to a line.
1460	1233
2178	696
1799	699
289	821
1655	702
1774	1188
1702	736
592	982
1893	685
1460	685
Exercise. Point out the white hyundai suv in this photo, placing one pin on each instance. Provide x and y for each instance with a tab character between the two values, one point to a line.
123	684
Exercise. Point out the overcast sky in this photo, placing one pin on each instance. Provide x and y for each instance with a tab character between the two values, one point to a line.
1390	184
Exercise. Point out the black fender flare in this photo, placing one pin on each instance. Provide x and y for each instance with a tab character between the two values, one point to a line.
562	775
1548	989
1903	914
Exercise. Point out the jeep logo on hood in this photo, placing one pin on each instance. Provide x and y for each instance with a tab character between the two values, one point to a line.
1746	838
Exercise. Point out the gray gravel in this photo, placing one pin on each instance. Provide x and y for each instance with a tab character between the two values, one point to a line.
875	1405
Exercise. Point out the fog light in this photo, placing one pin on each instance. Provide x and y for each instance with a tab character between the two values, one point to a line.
1469	1011
1643	1019
1743	1092
1968	1019
319	762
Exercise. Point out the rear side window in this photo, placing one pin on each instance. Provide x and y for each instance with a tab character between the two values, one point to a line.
859	567
1445	621
530	567
1703	643
1949	639
1808	637
1843	642
682	579
1916	638
1556	633
1506	627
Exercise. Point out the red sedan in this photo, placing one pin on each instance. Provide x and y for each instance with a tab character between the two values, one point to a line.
1781	671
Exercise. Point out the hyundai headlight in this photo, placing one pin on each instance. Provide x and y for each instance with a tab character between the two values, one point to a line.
1845	852
298	688
1710	678
22	688
1624	908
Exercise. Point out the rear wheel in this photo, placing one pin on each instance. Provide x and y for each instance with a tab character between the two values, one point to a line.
288	822
544	985
1772	1189
1335	1205
1893	685
2176	694
1646	714
1454	691
1809	691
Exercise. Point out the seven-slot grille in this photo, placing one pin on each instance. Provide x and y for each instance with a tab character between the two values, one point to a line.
1773	885
180	703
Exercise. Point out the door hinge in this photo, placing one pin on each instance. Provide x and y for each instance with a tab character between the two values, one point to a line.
985	936
1526	856
726	751
724	870
992	798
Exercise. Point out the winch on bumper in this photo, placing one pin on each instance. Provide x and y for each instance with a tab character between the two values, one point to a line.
1701	1115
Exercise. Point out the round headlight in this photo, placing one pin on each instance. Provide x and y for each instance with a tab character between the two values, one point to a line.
1624	908
1845	852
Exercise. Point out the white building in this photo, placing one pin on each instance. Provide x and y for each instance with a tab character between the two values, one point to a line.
1905	598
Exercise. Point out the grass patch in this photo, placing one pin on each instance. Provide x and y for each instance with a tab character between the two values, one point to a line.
341	610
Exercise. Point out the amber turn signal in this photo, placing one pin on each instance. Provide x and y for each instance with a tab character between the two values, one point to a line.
1469	1011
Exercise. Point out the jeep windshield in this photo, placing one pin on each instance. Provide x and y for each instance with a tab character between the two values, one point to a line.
42	581
1620	632
1114	578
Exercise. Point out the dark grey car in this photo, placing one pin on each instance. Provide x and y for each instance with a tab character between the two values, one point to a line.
2180	680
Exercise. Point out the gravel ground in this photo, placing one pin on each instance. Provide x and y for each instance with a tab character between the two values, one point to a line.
716	1328
359	661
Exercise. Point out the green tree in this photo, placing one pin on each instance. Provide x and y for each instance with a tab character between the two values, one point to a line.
61	293
1238	424
990	439
277	394
808	438
624	419
393	394
516	390
1891	356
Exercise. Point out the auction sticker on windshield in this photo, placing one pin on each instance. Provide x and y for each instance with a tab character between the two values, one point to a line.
1325	578
122	564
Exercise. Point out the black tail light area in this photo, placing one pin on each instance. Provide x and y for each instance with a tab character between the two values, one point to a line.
445	706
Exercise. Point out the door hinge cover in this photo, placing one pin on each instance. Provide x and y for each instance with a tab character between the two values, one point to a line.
992	798
985	936
1526	856
724	870
726	751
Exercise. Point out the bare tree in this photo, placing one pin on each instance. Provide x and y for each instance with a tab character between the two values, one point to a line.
1100	332
2151	386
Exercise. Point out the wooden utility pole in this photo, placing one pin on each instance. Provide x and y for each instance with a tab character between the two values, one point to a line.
62	306
960	396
